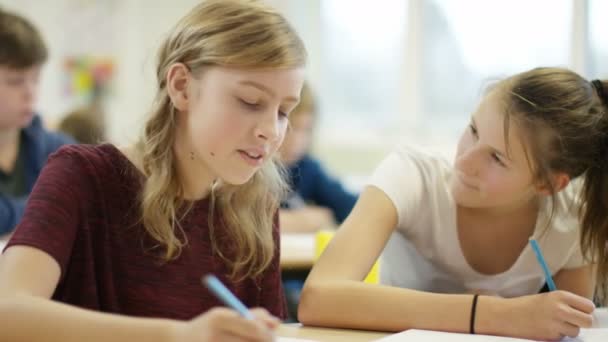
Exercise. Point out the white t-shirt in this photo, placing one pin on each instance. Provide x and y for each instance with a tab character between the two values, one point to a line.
424	251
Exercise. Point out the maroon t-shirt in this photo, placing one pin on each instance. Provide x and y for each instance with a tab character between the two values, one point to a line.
84	212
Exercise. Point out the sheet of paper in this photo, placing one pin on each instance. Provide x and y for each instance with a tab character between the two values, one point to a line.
414	335
590	335
600	318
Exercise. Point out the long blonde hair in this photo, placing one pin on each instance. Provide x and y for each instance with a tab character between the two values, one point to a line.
237	33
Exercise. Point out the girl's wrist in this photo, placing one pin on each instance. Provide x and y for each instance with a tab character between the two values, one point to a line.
491	317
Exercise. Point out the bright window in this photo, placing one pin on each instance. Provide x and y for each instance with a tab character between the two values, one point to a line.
598	38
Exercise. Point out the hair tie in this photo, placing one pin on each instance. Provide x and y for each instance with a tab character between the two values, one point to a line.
473	312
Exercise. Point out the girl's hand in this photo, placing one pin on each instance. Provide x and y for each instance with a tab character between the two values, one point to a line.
221	324
548	316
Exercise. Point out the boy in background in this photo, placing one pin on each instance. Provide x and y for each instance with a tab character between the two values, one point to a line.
317	200
24	143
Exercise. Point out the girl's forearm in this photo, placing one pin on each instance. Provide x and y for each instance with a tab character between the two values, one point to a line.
352	304
28	318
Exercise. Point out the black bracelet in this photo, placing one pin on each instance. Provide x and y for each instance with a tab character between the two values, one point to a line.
473	309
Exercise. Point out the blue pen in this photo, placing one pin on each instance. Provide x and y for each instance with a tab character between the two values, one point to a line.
543	265
220	291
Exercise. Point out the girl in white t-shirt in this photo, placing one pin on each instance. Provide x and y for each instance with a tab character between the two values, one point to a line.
534	154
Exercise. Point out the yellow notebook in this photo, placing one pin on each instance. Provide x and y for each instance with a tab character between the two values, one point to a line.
322	239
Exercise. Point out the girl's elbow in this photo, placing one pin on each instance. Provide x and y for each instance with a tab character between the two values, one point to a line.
309	306
8	305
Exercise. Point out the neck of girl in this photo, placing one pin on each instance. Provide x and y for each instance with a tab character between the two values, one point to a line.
526	208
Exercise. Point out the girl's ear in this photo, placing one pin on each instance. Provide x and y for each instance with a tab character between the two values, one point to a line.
559	181
178	77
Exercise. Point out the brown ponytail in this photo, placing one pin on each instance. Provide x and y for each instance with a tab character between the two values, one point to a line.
594	238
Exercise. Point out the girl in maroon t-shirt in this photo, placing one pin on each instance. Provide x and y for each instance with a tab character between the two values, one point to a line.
119	238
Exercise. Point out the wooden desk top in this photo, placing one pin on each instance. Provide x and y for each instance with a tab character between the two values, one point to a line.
297	251
343	335
329	335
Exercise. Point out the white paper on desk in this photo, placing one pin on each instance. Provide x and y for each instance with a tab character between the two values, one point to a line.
289	339
414	335
590	335
600	318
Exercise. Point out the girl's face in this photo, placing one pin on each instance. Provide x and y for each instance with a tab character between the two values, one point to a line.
487	172
236	118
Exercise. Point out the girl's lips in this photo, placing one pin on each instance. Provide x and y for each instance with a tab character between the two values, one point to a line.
465	182
251	159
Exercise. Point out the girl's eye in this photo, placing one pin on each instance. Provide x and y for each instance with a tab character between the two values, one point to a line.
473	130
497	159
250	105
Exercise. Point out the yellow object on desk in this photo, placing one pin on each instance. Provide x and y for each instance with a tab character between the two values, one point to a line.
323	237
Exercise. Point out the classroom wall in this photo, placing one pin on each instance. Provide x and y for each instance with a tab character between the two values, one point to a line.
417	83
130	32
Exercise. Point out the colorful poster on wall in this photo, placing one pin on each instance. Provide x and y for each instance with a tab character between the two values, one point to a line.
88	79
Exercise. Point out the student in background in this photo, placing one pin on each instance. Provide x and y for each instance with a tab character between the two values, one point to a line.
317	200
24	143
533	155
119	238
85	125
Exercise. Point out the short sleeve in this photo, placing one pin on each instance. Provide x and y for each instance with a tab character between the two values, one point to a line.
575	258
401	177
55	207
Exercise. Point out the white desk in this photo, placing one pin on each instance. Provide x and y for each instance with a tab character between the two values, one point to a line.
297	251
